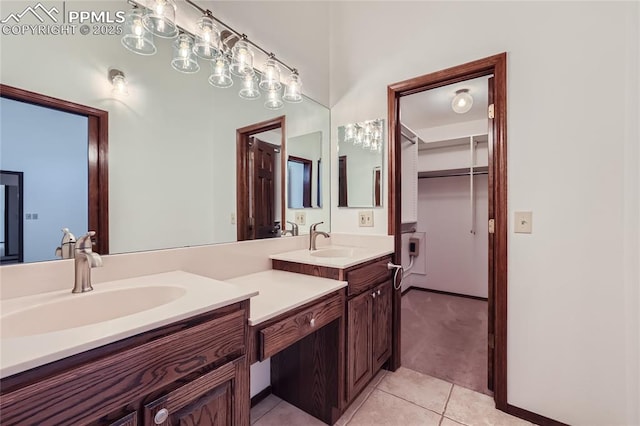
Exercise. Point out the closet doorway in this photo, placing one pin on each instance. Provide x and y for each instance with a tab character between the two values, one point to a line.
485	217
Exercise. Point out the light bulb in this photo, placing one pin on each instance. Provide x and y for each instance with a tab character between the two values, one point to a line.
462	102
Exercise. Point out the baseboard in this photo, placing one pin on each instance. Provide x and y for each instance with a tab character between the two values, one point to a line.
448	293
257	398
532	417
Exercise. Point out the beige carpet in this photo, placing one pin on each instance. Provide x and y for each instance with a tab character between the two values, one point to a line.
446	337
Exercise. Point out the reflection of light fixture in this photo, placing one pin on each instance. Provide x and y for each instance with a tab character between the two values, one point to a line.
160	18
220	76
273	100
365	134
293	88
249	88
183	58
136	38
207	38
462	102
118	81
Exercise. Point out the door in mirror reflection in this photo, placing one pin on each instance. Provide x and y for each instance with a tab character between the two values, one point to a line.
260	177
11	210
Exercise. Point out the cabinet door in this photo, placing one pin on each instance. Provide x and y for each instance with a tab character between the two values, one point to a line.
359	367
209	400
382	324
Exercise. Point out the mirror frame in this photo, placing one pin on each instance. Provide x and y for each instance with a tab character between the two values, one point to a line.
242	137
97	158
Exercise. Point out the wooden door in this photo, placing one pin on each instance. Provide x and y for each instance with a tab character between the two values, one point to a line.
359	345
342	181
491	318
377	187
382	329
262	167
208	400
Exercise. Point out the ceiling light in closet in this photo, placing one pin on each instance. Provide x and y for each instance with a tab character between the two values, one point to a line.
462	101
160	18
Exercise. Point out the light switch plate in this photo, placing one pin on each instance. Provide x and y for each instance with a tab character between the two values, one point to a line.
233	218
523	222
301	218
365	218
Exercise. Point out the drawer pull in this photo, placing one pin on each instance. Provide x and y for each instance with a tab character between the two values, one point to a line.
312	323
161	416
373	294
378	292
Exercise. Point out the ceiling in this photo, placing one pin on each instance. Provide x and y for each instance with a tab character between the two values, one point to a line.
432	108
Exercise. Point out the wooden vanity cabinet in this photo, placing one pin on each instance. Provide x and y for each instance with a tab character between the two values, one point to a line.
193	371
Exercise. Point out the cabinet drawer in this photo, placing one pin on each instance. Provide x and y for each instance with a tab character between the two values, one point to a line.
119	378
283	333
361	279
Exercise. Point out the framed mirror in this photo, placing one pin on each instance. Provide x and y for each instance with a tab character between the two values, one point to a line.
360	168
170	162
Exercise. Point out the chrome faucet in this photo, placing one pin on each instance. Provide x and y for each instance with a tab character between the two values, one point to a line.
313	234
85	259
293	231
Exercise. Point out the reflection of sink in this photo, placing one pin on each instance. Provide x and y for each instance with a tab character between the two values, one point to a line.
77	310
333	252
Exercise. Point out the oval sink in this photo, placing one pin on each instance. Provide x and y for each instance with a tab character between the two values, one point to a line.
333	252
78	310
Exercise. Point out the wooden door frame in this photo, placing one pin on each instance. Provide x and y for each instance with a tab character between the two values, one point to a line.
242	138
497	66
98	156
308	167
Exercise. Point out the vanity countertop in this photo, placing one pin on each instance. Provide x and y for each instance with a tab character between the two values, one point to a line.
356	255
176	296
281	291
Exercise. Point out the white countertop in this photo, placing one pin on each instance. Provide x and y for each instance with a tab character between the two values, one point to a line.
197	295
281	291
357	255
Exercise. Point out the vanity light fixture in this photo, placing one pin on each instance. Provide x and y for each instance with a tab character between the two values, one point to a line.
184	60
118	82
220	75
462	101
229	51
207	35
366	134
136	38
293	88
160	18
242	58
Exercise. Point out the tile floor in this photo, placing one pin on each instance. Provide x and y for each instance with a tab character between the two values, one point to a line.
404	398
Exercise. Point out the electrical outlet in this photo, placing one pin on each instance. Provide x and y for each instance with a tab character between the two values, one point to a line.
34	216
365	218
27	216
233	218
301	218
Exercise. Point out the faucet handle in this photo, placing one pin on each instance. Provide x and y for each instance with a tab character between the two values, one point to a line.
313	226
293	224
84	242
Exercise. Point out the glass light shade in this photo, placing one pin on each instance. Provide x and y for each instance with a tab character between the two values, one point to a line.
183	58
207	39
349	132
249	88
366	140
241	59
220	75
359	135
462	102
136	38
274	101
119	85
270	76
293	89
160	18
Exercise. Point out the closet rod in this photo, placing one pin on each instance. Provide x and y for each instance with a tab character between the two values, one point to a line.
412	139
452	175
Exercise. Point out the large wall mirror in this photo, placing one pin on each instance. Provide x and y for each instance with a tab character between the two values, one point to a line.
171	144
360	168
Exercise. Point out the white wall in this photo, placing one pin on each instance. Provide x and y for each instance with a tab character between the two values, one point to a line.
456	260
572	159
50	148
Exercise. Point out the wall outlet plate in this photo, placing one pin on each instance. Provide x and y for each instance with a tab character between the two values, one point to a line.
233	218
365	218
301	218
